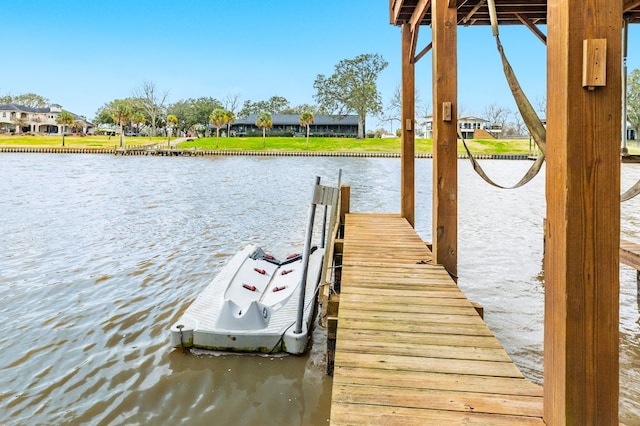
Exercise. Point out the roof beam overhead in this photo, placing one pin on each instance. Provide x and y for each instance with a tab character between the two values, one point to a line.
395	6
630	4
473	11
535	30
418	13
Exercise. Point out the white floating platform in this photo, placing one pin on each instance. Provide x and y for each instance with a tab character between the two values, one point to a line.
251	306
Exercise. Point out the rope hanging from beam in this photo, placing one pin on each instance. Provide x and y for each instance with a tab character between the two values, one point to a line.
531	119
531	173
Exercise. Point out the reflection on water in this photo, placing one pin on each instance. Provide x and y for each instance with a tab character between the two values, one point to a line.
100	254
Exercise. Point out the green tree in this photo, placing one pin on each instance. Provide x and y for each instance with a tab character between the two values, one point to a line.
103	115
121	111
219	117
138	118
633	99
6	99
352	88
65	118
275	105
193	114
172	120
306	118
31	100
264	122
299	109
181	109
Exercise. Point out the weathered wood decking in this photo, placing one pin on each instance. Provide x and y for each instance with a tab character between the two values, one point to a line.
411	349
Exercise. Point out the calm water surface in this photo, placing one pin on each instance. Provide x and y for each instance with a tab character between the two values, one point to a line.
100	254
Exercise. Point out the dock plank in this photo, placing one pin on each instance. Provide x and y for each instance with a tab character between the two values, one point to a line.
411	348
630	254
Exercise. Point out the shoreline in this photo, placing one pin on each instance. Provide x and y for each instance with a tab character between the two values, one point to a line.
223	152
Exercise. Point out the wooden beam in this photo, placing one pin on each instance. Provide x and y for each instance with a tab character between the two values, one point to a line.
527	22
422	53
414	22
473	11
413	43
395	6
630	4
419	12
445	125
407	154
581	325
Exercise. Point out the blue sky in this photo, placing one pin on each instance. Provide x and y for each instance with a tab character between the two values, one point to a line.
83	54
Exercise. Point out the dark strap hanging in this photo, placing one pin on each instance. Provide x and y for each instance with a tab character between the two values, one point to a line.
531	173
531	119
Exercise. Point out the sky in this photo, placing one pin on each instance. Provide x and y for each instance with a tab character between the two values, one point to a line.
83	54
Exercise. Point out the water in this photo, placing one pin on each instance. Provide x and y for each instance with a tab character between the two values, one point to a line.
100	254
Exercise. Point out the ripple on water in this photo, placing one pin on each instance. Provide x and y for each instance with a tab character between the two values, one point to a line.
104	253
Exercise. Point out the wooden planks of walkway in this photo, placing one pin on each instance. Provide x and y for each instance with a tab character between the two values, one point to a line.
630	254
411	349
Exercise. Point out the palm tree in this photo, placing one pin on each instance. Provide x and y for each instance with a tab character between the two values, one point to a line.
139	119
121	114
232	119
264	122
65	118
78	125
172	120
306	118
19	122
219	117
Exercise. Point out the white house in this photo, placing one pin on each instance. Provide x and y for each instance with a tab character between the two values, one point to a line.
468	126
16	118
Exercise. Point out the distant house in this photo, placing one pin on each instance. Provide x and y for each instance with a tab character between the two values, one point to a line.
289	124
16	118
468	126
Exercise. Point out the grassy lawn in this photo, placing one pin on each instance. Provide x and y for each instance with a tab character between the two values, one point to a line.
75	141
477	146
353	145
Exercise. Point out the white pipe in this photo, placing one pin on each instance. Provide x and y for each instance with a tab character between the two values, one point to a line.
625	37
305	258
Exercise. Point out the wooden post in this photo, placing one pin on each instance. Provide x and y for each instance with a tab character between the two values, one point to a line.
407	155
445	123
583	212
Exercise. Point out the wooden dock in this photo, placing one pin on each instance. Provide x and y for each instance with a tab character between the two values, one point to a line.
411	349
630	254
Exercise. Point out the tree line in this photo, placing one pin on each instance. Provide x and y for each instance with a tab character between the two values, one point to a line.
352	88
